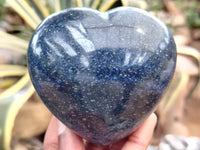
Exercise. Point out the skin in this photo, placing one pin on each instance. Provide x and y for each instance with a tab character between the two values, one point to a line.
59	137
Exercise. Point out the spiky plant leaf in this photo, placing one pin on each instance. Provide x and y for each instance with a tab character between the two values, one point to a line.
8	41
23	8
9	107
7	82
179	82
41	8
12	70
95	3
195	54
139	3
106	4
16	87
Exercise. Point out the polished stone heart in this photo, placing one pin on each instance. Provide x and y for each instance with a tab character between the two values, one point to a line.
101	73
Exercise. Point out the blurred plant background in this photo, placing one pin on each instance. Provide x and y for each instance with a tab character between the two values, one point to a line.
24	118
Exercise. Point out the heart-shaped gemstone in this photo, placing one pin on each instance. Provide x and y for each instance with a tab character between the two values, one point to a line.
101	73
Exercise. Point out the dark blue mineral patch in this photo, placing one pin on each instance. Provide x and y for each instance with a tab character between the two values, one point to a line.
101	73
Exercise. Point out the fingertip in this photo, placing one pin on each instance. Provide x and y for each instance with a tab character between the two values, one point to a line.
51	137
61	128
141	137
69	140
153	118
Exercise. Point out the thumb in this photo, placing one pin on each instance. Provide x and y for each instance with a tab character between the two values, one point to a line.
140	139
68	139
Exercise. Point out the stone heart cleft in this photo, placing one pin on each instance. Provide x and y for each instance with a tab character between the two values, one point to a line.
101	73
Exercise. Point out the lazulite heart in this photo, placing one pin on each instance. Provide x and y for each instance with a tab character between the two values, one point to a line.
101	73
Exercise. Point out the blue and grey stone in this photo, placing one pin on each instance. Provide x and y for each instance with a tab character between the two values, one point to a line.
101	73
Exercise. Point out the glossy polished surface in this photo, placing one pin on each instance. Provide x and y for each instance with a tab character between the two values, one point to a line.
101	74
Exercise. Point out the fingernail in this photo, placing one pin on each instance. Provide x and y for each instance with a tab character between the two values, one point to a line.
153	115
61	128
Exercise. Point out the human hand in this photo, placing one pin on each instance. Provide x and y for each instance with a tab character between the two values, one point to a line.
59	137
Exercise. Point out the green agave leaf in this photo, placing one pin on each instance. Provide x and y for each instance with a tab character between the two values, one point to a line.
10	42
179	83
62	4
10	39
16	87
106	4
58	5
40	8
95	3
26	11
82	3
79	3
85	3
9	107
11	47
139	3
7	82
195	54
12	70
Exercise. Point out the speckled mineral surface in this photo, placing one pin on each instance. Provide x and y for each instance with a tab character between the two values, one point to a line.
101	73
